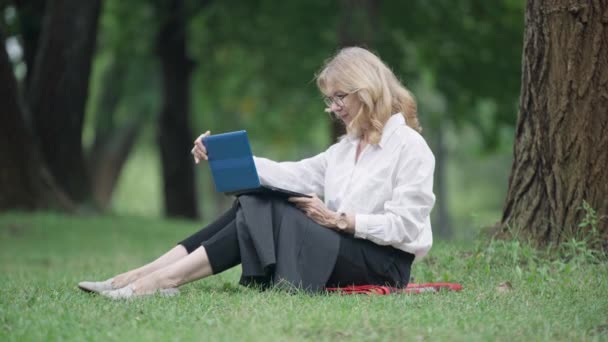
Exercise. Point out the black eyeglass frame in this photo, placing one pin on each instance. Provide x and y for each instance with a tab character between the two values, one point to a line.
337	99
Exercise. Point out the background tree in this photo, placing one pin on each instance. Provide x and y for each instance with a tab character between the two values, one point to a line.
113	141
31	14
174	133
561	147
123	99
59	89
24	181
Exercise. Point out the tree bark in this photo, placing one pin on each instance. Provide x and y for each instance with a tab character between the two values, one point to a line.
561	143
107	159
24	182
113	143
31	14
444	223
59	89
175	136
355	28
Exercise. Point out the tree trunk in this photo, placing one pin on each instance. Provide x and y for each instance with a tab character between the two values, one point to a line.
113	142
444	224
175	137
356	28
107	159
59	89
561	143
24	182
31	14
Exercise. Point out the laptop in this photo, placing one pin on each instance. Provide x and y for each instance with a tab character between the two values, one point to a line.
233	168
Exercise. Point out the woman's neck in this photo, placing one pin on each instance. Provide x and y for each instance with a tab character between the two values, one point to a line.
364	137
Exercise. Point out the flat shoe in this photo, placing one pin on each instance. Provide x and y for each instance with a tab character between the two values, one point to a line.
128	292
96	286
170	292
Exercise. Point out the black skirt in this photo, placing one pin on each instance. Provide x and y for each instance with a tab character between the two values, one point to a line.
280	246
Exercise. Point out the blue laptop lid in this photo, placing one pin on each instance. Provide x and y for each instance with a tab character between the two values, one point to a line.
231	161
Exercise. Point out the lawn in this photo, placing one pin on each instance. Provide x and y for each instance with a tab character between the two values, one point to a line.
43	256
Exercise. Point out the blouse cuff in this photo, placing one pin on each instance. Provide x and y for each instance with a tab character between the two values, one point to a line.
362	225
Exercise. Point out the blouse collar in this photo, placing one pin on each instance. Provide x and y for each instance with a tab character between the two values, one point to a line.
391	125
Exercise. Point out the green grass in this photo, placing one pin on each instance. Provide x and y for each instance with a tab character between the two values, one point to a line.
43	256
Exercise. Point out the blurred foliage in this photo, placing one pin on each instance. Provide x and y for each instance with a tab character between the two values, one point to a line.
255	63
255	66
256	60
469	52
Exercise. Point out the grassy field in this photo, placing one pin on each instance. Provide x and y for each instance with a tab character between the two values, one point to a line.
43	256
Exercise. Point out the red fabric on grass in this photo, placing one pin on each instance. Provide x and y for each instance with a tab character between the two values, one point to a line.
384	290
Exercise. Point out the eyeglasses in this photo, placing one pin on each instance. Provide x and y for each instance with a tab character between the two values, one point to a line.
337	99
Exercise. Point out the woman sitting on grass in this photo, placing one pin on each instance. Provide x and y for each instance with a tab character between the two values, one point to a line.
377	188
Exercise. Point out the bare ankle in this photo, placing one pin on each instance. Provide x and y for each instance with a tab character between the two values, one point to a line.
165	280
125	279
148	284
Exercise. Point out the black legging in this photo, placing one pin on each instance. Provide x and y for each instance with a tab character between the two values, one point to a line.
220	241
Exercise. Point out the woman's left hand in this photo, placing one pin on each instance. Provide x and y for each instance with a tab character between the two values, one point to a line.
315	209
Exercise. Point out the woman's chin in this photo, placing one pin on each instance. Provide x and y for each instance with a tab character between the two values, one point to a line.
346	119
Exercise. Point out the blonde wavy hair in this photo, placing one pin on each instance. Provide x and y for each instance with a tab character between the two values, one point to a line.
359	72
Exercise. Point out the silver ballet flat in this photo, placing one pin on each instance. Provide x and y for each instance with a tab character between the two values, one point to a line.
128	292
96	286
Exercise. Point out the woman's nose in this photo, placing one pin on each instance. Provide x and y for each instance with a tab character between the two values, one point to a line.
334	107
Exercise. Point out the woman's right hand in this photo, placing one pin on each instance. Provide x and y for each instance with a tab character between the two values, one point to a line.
199	152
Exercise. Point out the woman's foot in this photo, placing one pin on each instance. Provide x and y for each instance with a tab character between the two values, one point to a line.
115	283
97	286
130	291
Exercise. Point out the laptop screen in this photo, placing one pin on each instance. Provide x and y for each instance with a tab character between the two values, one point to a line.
231	161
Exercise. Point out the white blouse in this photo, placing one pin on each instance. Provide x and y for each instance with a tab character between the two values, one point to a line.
389	189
